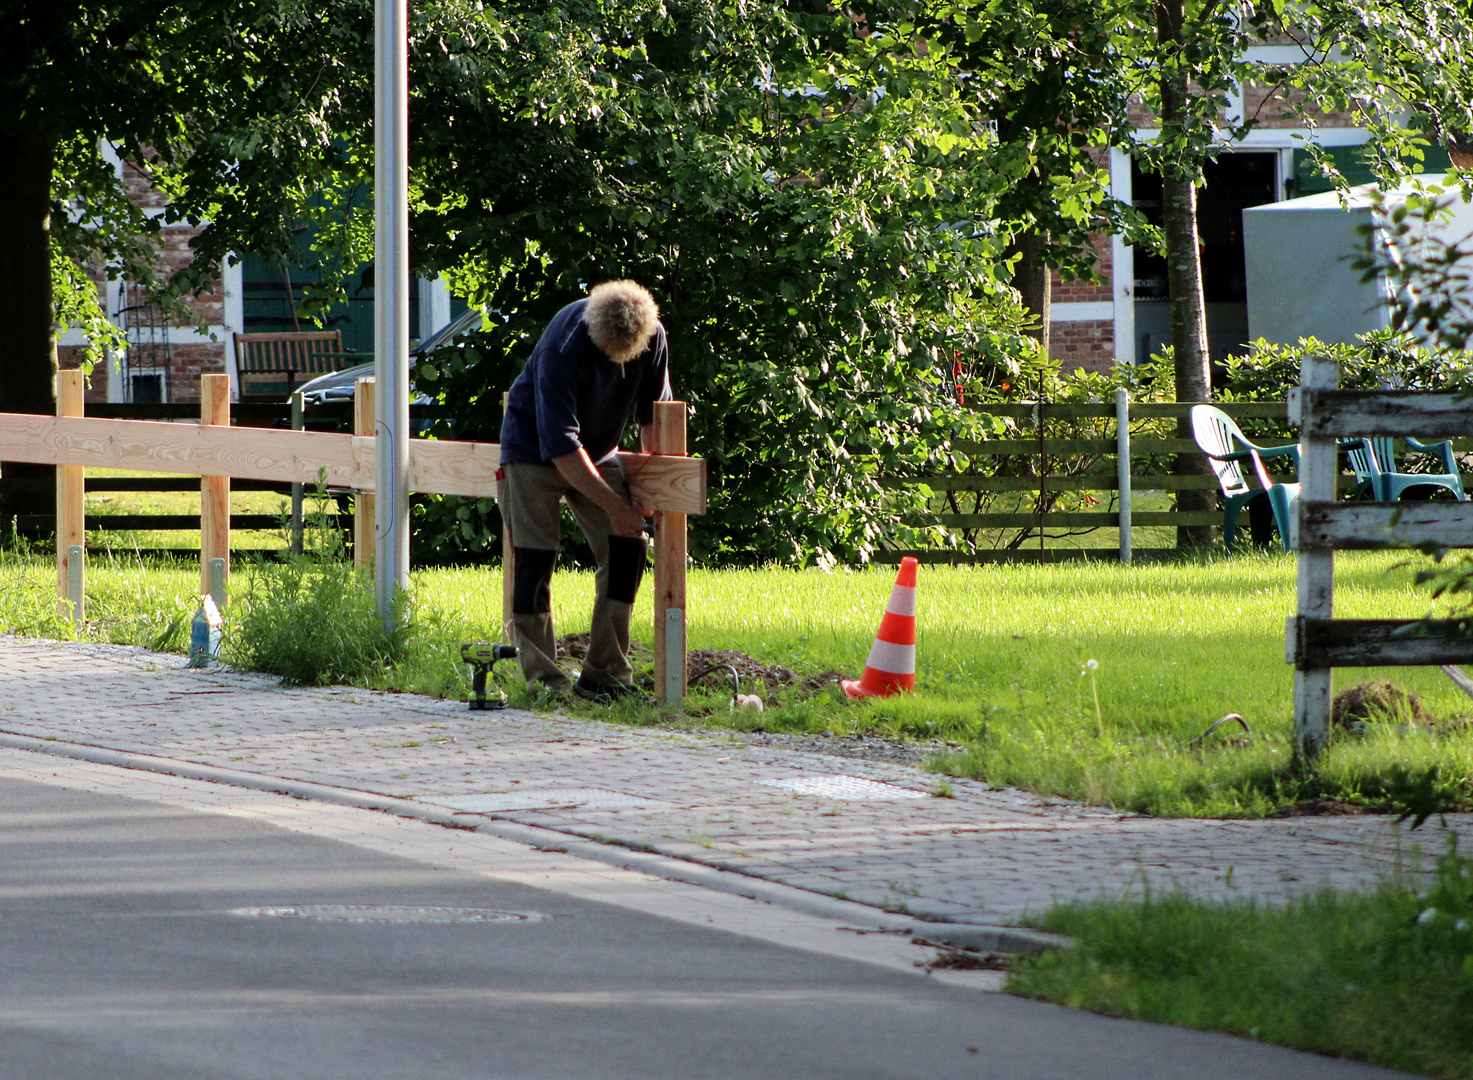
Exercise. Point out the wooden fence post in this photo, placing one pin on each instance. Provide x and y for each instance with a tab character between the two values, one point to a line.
214	491
298	489
1315	585
71	509
508	555
365	514
670	559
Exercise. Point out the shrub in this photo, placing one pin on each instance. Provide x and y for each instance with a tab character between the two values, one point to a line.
313	619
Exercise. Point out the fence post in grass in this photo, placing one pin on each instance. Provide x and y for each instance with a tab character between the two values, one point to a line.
365	512
71	509
1122	469
670	558
1315	584
298	422
214	491
508	553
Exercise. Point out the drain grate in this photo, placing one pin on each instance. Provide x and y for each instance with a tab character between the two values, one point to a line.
387	913
843	787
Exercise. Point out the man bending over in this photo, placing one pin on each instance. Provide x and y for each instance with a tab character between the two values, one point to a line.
598	360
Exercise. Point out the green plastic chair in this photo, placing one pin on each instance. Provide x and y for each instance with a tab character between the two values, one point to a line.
1219	437
1374	464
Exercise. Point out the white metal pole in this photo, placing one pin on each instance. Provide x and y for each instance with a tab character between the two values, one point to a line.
391	300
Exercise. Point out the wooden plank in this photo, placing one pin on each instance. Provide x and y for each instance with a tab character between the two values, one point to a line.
1365	413
1319	467
677	484
508	559
214	491
449	468
1027	410
365	520
181	483
1099	482
991	556
71	502
1069	447
183	522
1089	520
154	446
1361	526
1321	644
671	631
1239	410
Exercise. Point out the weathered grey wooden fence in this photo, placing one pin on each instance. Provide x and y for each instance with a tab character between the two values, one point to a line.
1317	642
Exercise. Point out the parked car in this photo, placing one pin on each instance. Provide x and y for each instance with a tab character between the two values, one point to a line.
340	386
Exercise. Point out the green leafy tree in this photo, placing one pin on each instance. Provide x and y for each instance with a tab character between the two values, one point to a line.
226	108
812	208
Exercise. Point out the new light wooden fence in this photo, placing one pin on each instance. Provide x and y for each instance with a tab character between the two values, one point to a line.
1316	641
669	481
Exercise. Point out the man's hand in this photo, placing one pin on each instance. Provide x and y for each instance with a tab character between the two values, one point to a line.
627	521
577	469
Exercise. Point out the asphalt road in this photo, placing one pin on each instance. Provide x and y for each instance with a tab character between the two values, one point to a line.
124	953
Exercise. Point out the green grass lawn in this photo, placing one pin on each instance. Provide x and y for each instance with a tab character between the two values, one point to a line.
1000	659
1384	975
106	503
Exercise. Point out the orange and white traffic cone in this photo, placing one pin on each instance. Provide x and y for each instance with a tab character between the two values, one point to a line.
891	667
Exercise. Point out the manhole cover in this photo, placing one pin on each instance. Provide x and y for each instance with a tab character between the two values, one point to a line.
386	913
546	799
843	787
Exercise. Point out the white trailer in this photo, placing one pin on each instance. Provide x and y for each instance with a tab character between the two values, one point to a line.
1298	257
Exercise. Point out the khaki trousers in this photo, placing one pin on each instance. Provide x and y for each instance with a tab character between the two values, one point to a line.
529	496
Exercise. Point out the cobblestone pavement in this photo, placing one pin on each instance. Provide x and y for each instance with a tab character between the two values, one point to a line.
869	831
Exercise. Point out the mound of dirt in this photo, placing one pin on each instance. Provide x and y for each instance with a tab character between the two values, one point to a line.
710	668
714	664
576	647
1378	703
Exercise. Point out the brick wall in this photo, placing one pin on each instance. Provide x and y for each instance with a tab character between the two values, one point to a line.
1088	345
188	356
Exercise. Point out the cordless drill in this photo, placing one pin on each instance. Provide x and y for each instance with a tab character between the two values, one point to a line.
482	658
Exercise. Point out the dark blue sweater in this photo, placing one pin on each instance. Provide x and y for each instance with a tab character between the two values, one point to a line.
570	394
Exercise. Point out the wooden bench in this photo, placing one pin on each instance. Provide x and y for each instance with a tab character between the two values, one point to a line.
262	359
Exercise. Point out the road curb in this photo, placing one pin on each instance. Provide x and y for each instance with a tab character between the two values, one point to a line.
984	938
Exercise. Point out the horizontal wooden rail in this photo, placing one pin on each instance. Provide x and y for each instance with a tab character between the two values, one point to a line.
1086	520
1102	482
1243	410
952	557
1067	447
1369	413
1366	526
160	483
676	484
173	522
1331	643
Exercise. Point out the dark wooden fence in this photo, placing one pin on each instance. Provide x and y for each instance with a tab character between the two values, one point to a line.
1034	462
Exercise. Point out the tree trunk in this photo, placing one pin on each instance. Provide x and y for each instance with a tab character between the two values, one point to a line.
28	360
1184	277
1034	281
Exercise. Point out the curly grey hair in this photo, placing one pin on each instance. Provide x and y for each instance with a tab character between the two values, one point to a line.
621	317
